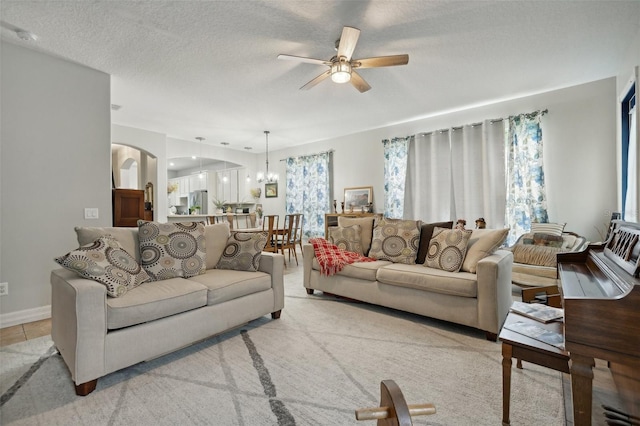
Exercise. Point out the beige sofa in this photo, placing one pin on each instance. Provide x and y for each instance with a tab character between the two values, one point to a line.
97	335
535	265
479	299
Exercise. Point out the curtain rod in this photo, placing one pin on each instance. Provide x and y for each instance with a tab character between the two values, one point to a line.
329	151
491	121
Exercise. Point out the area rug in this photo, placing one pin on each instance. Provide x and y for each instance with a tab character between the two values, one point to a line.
324	358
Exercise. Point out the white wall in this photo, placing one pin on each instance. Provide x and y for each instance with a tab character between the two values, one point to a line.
56	150
579	140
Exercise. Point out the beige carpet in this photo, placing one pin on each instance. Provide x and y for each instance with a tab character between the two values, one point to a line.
314	366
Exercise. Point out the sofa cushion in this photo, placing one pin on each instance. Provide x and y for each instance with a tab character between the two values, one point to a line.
447	249
243	251
223	284
426	231
127	237
547	228
535	255
346	237
361	270
366	229
482	243
170	250
395	240
215	237
154	300
106	262
419	277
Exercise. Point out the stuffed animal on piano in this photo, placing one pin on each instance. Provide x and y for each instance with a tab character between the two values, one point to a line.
480	223
460	224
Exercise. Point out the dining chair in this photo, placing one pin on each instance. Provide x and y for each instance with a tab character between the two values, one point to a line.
297	235
285	237
271	223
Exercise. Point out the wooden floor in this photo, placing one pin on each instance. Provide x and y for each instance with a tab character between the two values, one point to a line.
23	332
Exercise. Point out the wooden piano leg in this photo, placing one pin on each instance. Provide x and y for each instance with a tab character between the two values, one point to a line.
581	388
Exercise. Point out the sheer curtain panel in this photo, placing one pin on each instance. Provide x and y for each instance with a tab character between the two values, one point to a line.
309	190
396	153
526	194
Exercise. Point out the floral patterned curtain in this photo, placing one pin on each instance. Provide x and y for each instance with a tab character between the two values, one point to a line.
309	190
396	153
526	194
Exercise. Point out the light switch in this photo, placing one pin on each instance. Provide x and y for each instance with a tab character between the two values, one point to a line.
91	213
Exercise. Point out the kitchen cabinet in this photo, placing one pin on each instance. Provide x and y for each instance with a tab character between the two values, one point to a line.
227	185
198	182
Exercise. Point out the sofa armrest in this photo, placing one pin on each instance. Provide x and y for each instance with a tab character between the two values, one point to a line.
273	264
494	290
79	323
307	261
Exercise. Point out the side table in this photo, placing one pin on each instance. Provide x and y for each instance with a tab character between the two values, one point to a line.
523	348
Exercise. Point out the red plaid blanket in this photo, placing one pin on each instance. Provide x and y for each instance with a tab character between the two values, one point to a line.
332	258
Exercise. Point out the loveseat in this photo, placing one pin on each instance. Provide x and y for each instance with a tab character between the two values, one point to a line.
97	334
479	295
535	254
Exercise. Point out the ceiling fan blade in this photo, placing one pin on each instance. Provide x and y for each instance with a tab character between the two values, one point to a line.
348	41
358	82
303	59
316	80
381	61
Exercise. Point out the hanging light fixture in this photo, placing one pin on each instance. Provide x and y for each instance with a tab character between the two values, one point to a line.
200	174
268	177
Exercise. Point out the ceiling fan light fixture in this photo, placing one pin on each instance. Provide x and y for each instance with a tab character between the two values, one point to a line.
341	71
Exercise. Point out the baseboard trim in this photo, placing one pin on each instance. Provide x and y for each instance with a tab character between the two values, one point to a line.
25	316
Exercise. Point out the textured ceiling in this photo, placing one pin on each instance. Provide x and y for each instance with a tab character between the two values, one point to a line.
209	68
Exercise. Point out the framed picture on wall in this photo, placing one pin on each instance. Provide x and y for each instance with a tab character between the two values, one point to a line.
270	190
358	197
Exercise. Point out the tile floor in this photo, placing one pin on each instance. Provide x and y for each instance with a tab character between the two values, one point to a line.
23	332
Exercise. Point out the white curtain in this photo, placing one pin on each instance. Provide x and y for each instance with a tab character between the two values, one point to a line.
458	173
428	190
631	199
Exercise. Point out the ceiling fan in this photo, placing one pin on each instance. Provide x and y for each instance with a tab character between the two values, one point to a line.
342	67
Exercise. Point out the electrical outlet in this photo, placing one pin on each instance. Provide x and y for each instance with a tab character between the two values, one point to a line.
91	213
4	289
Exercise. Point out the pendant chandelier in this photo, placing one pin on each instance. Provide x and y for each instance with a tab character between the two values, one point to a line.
268	177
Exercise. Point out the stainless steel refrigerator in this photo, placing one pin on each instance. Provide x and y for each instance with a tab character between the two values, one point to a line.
199	198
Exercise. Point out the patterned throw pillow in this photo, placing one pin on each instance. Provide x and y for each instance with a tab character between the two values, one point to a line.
447	249
395	240
243	251
170	250
106	262
347	238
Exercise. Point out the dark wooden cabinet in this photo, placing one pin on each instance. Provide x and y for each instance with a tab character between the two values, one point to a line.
128	207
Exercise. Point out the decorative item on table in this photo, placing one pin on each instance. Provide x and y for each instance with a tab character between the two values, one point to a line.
370	208
342	207
335	206
480	223
219	205
194	209
460	224
259	211
172	187
229	209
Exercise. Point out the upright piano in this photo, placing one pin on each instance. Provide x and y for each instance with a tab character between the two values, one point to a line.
600	291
